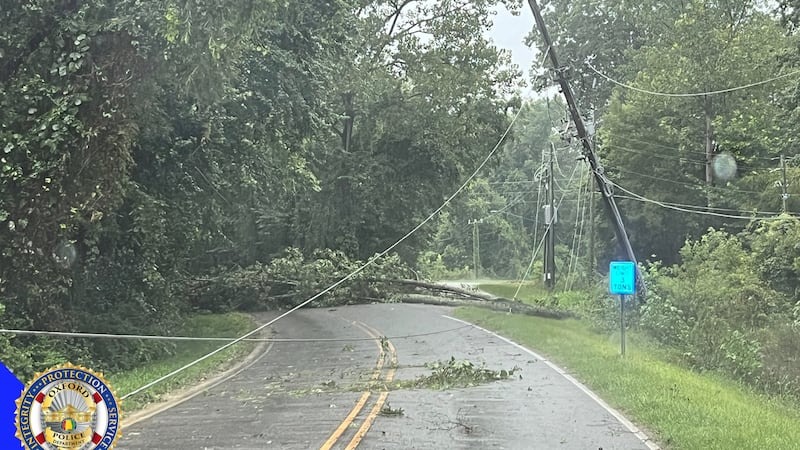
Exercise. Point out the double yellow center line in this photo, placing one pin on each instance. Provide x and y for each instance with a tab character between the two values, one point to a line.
384	346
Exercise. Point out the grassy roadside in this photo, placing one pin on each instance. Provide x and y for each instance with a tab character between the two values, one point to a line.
215	325
682	409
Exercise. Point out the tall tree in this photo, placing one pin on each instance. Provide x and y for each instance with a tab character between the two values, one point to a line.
662	146
140	142
421	101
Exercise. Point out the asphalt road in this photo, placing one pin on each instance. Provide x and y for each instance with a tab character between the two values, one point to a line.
329	393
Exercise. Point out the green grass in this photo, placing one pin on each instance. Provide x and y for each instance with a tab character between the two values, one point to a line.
206	325
680	408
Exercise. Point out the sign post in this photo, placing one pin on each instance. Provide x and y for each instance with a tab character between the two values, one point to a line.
622	325
622	282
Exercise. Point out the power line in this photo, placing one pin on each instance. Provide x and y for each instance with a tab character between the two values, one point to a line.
694	94
528	192
696	186
702	207
515	182
536	249
211	339
671	148
558	167
539	247
580	216
345	278
644	199
530	266
518	200
675	148
656	155
653	177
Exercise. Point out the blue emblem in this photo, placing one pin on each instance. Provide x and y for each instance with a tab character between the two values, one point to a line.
68	407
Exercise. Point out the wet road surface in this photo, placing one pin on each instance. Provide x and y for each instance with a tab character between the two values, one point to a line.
329	393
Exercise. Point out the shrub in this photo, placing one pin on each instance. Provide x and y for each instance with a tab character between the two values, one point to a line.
711	305
775	248
780	356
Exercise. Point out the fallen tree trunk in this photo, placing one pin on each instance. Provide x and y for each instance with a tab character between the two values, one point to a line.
440	288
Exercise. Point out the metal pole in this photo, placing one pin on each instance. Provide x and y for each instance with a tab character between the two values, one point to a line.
622	324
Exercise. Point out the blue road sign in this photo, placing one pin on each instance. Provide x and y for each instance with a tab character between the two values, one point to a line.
622	278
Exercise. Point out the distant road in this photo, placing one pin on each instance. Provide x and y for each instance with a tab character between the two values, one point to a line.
312	394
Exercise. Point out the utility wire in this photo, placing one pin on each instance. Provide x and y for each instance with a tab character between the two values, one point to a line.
549	225
577	235
515	182
530	266
580	236
671	148
212	339
558	167
535	250
345	278
656	155
701	207
535	228
574	237
518	200
644	199
696	186
694	94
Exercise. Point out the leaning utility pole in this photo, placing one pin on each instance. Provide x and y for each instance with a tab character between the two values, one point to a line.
550	219
588	148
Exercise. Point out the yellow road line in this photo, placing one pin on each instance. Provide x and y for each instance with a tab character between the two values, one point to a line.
346	422
362	400
373	414
368	422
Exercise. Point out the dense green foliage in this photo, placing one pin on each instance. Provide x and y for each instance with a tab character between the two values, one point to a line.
159	157
731	305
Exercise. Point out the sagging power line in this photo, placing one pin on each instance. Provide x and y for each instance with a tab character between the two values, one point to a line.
691	94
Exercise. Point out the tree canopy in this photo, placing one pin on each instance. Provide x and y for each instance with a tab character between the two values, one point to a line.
147	145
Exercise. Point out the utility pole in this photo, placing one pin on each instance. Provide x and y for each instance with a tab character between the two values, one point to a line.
784	187
588	147
550	219
476	246
709	145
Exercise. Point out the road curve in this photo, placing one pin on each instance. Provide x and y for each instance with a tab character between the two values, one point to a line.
329	393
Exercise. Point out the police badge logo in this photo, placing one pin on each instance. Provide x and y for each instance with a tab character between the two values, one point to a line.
68	407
